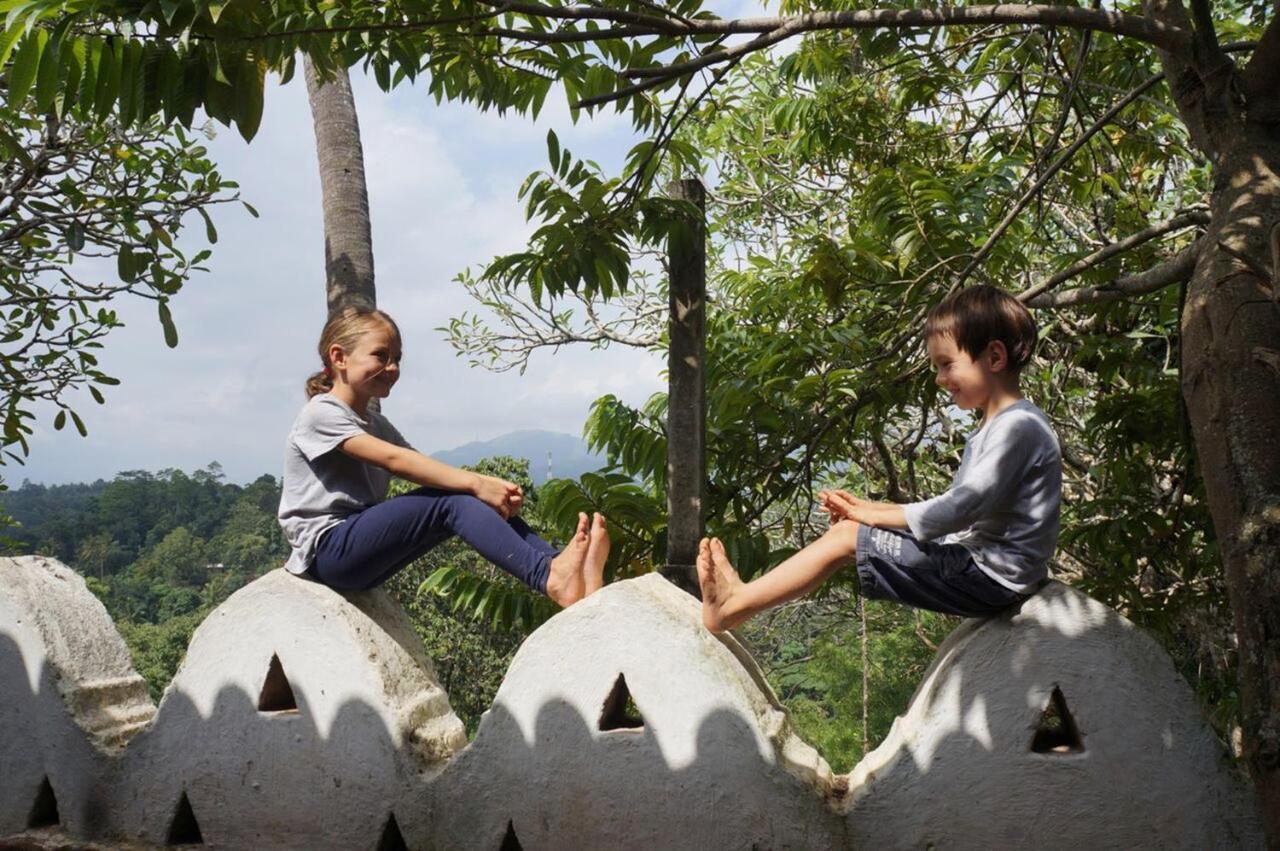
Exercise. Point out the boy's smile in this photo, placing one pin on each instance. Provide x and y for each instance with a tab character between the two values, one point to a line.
969	381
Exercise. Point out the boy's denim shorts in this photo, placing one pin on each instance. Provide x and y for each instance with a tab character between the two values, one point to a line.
893	565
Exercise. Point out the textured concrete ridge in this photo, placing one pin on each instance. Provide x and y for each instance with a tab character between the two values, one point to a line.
707	759
1060	725
305	718
69	697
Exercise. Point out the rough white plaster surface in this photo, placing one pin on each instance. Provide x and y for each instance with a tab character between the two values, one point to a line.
713	764
371	725
69	697
958	771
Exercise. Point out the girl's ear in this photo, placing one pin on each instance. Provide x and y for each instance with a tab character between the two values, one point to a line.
337	357
997	356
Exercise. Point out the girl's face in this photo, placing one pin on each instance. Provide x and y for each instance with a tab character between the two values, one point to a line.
969	380
372	367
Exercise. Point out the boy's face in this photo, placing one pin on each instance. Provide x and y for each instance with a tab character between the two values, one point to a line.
969	380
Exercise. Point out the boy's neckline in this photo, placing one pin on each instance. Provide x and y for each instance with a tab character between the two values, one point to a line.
1021	400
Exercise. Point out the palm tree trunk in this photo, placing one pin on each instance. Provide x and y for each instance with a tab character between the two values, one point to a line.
348	238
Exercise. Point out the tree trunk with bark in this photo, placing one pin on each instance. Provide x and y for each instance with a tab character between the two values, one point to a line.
1231	385
1231	355
348	239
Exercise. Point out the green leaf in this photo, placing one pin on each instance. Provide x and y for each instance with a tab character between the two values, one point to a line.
60	420
47	79
26	64
249	84
126	265
553	150
210	231
14	148
110	65
170	330
75	236
75	418
9	38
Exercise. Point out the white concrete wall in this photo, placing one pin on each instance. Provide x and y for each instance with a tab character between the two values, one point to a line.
715	764
957	770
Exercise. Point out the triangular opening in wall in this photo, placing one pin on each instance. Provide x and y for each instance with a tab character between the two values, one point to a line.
620	711
511	842
392	839
1056	732
184	829
277	694
44	812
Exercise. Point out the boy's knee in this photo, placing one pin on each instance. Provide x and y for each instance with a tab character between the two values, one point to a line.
846	533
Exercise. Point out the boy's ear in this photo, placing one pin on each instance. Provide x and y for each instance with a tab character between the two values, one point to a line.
997	356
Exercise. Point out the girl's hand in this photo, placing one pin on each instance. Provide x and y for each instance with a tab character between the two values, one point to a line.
502	496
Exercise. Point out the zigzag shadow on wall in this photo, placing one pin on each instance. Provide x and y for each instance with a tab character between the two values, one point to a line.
544	771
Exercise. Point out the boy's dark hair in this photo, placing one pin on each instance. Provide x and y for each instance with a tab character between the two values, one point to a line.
976	316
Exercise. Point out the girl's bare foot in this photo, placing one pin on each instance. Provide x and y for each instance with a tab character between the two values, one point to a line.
721	587
597	553
564	581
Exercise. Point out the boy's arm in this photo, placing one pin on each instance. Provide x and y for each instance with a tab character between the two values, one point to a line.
412	465
886	515
982	481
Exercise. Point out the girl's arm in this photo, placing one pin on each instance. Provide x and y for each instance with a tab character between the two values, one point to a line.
504	497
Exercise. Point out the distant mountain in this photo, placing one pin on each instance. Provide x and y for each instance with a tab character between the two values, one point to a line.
570	457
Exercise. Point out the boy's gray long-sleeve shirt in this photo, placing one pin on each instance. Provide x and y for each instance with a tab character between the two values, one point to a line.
1003	505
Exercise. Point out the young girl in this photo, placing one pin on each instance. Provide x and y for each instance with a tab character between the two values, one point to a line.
341	456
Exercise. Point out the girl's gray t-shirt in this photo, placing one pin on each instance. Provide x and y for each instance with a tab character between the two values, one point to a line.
1003	506
323	485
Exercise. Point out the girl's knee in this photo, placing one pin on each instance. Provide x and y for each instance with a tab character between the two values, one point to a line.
463	504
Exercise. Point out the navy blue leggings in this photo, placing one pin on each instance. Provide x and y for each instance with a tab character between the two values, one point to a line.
368	548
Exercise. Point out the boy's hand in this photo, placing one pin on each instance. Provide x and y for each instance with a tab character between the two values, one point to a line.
842	505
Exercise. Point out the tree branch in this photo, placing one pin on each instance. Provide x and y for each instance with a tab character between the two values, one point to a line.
1175	270
1258	80
773	30
1117	23
1053	169
1193	217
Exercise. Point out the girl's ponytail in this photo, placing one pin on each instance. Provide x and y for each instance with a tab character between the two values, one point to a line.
344	329
319	382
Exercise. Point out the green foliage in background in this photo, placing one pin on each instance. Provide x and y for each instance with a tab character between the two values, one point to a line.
160	550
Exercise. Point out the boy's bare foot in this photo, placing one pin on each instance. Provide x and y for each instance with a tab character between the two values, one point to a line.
564	581
720	586
597	553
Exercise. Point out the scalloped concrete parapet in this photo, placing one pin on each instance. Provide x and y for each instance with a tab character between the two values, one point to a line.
1140	769
370	727
710	761
69	697
352	743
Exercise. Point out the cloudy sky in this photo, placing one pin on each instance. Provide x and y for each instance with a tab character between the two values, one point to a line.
443	184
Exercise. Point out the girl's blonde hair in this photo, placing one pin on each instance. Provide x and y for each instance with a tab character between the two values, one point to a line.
344	329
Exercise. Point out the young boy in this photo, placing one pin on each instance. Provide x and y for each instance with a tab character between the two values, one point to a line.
976	549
